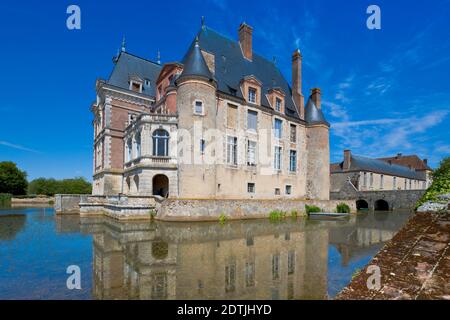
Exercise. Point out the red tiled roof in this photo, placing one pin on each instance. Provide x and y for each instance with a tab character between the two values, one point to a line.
411	160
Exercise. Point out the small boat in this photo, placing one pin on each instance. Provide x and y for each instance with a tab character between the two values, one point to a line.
328	215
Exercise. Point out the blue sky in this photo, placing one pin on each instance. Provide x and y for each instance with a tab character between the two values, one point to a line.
384	91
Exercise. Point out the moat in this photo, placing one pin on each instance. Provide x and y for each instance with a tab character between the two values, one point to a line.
251	259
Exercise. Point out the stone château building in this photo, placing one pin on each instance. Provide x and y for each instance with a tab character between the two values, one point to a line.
222	123
391	173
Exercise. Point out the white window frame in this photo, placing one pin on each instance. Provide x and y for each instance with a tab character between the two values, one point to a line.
286	187
248	187
251	161
275	120
232	151
251	97
202	146
278	158
290	160
195	107
248	113
155	148
278	104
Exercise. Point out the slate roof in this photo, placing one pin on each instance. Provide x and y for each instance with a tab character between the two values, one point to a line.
359	163
231	67
411	160
314	115
195	64
129	65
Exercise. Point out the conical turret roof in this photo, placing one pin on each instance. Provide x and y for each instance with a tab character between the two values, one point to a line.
195	64
314	115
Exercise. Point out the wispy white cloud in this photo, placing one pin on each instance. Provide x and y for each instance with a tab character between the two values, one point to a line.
18	147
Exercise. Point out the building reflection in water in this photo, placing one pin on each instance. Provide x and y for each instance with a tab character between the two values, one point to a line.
253	259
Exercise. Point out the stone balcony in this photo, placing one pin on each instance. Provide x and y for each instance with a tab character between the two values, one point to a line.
157	162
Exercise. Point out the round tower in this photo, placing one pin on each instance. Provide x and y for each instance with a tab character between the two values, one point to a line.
318	149
197	108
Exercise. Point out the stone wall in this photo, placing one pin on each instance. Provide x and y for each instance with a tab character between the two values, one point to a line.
67	203
397	199
206	209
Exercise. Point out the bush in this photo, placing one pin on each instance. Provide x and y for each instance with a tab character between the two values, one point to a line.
277	215
440	185
222	218
12	180
310	209
5	199
342	208
294	214
52	186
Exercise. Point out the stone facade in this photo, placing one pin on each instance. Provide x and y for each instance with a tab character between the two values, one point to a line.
177	134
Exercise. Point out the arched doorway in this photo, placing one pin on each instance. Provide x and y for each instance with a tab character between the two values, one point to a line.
381	205
161	185
362	205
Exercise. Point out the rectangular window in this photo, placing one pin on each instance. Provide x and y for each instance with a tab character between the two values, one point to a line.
251	153
288	189
277	126
292	160
275	266
277	191
381	181
278	157
202	146
371	180
249	274
394	183
159	286
278	104
365	180
252	95
410	184
232	116
232	150
230	278
198	107
250	187
252	120
293	133
291	262
405	184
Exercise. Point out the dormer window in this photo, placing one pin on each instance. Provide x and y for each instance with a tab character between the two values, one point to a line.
147	83
252	95
135	86
278	104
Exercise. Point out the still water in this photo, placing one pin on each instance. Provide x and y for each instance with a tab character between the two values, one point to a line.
255	259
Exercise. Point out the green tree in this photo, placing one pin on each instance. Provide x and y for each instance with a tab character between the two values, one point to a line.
12	179
440	184
51	186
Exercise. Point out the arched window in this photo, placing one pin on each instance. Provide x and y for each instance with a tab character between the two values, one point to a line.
137	138
160	143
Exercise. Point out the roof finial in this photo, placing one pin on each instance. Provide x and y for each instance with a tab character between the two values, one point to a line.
196	41
123	44
203	22
158	58
274	60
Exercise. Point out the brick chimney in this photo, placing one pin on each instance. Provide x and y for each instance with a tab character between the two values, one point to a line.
425	161
315	96
245	39
297	82
347	159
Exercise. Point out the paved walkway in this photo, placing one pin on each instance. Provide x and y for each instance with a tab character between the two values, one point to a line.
415	264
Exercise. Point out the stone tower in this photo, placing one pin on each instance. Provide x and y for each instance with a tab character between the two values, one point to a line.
197	109
318	149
